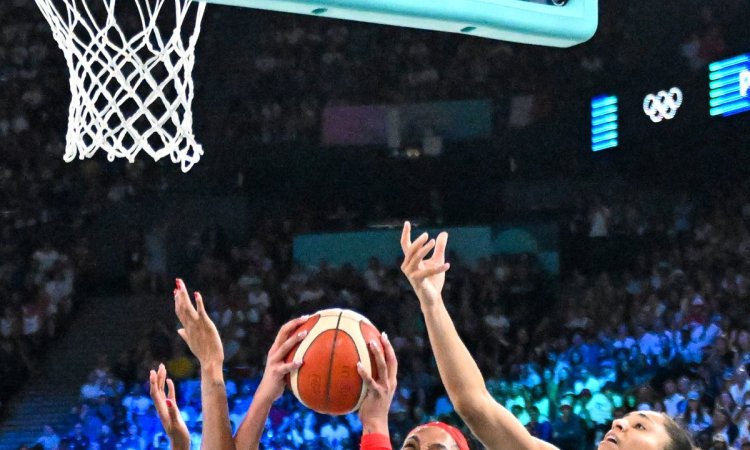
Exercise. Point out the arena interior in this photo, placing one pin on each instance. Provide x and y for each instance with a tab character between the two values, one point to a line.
586	284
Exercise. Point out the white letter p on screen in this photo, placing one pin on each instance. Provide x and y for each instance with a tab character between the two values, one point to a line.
744	82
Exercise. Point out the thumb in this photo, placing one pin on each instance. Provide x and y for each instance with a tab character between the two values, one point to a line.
183	334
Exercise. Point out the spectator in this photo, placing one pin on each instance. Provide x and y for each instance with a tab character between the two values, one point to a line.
106	439
674	402
539	427
334	435
132	440
568	430
49	440
740	386
77	440
723	426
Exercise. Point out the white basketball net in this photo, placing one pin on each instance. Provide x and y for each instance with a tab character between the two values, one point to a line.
129	93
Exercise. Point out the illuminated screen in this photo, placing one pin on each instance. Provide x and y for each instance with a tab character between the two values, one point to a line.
604	114
729	81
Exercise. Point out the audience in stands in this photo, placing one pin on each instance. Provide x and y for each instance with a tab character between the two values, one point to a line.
667	333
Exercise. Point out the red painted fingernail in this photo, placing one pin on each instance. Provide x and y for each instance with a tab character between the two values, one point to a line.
196	294
169	403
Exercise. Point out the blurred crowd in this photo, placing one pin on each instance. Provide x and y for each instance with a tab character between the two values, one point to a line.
300	65
669	332
295	66
36	284
45	205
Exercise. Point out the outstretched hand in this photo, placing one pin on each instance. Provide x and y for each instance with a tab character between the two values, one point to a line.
199	331
373	413
427	276
273	382
166	407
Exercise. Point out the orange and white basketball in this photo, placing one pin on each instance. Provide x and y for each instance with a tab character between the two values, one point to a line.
328	381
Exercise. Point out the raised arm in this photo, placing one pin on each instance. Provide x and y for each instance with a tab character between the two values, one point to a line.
201	335
494	425
271	386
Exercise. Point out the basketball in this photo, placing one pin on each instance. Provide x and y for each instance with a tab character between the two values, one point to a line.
328	381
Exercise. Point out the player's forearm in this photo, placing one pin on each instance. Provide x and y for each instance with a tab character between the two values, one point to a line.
375	427
494	425
458	370
217	431
250	430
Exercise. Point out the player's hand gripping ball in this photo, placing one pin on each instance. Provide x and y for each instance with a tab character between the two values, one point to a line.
336	341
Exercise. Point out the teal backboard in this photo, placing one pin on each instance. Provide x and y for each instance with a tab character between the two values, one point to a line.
523	21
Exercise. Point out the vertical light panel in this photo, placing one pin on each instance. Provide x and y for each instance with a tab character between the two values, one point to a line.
729	83
604	122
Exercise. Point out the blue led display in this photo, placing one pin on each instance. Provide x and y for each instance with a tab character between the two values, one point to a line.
603	122
729	81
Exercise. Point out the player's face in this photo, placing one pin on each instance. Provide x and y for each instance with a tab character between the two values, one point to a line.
637	431
429	438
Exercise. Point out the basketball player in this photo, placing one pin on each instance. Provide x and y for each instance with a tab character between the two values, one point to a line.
494	425
251	429
203	339
373	413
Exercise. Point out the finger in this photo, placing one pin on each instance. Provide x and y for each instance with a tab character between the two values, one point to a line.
430	271
406	236
179	302
438	256
183	303
289	367
379	360
390	358
183	335
156	396
162	410
161	375
287	329
418	243
413	248
281	353
152	384
370	384
172	392
200	307
421	253
173	411
178	309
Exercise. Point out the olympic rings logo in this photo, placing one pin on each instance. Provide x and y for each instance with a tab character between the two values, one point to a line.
662	105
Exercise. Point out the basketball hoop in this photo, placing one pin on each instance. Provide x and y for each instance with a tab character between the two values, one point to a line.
132	89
